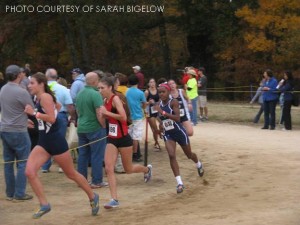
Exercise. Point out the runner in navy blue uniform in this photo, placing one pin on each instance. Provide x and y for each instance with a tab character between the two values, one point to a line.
51	143
173	132
152	98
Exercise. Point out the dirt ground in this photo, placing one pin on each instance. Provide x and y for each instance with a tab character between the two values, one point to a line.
251	177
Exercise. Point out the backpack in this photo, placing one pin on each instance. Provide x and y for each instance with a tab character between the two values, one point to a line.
125	105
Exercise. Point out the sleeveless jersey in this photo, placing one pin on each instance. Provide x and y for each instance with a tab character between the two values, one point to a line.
169	125
184	112
116	128
152	111
46	127
50	135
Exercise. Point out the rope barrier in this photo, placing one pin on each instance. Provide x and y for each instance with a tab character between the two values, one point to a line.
231	87
71	149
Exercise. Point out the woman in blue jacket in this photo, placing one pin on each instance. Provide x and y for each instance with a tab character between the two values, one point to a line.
270	97
286	86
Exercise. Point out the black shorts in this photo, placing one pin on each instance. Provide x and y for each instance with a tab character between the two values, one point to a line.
122	142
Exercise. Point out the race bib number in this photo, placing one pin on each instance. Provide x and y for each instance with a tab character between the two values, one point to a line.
153	110
41	124
168	125
113	130
182	113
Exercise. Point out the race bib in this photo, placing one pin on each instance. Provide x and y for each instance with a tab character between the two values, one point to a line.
168	124
113	130
153	110
41	124
182	112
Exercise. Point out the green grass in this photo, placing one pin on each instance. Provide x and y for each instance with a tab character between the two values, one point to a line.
244	113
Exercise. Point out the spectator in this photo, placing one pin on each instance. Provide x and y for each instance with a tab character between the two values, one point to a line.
152	98
270	97
119	141
51	143
62	81
192	93
15	138
123	82
137	102
140	76
202	100
286	86
63	97
258	95
91	127
25	82
2	80
78	83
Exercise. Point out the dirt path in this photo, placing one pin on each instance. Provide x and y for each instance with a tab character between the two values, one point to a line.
252	177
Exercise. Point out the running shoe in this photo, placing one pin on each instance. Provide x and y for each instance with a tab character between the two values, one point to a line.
148	175
42	211
9	198
200	171
100	185
95	204
180	188
23	198
112	204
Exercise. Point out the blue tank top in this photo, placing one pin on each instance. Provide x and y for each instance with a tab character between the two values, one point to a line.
46	127
169	125
184	114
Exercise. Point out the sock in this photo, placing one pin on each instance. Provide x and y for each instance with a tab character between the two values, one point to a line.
178	179
198	164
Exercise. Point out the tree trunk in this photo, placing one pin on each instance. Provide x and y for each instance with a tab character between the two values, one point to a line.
84	48
70	39
165	47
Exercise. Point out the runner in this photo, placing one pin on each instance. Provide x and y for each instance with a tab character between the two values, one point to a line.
118	140
152	97
173	132
51	143
185	106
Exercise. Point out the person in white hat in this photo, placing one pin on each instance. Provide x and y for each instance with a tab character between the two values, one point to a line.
192	93
140	76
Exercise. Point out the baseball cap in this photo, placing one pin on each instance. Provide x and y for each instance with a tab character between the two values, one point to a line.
136	68
13	69
76	70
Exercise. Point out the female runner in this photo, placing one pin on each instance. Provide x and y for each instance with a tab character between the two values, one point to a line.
50	143
152	97
185	106
118	140
173	132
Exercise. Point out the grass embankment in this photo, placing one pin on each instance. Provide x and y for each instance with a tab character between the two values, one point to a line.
244	113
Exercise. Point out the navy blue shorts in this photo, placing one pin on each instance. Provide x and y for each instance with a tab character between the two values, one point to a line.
54	143
179	136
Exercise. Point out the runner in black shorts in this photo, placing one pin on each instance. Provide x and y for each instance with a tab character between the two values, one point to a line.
152	98
118	139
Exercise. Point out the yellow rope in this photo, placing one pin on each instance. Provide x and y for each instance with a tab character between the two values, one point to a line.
71	149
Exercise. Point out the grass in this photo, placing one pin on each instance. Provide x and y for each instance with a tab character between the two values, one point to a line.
243	113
